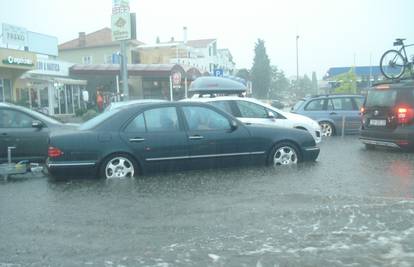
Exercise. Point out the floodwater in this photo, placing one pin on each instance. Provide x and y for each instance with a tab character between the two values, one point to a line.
352	207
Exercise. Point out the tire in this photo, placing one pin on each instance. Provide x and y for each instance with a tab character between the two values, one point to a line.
327	128
284	153
118	166
392	64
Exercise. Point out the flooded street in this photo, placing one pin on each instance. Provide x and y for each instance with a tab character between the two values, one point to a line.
353	207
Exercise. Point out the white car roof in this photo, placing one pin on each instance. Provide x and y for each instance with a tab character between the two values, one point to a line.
235	98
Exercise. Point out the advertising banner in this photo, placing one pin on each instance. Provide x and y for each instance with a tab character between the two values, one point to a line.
13	35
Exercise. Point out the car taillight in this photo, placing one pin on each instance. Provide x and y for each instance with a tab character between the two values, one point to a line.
54	152
404	115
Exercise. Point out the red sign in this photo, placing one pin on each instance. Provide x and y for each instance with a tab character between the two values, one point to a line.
176	79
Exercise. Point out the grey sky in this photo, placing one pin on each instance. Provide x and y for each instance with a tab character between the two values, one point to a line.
332	32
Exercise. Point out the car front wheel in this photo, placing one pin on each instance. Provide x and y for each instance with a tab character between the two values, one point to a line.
284	154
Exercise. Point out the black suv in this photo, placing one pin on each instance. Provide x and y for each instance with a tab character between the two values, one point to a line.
388	116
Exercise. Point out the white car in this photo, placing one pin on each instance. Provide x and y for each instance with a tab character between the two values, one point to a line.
253	111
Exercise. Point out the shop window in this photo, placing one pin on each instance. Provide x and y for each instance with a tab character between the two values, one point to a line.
6	94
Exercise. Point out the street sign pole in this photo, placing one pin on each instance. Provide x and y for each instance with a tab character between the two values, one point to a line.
124	72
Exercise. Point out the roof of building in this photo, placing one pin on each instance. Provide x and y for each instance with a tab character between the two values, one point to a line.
359	71
200	43
101	37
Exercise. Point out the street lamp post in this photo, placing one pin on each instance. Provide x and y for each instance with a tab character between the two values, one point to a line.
297	60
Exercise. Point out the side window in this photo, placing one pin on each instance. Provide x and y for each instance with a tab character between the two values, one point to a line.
201	118
251	110
161	119
14	119
342	103
359	101
315	105
223	105
137	125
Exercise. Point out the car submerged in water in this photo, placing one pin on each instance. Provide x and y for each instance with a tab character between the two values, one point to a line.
170	136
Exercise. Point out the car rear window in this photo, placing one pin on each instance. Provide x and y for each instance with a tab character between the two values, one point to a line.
381	98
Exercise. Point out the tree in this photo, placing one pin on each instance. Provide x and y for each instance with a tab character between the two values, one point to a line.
303	86
279	83
261	71
347	82
244	74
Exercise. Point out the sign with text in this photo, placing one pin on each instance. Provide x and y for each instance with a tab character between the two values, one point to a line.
176	80
121	27
13	35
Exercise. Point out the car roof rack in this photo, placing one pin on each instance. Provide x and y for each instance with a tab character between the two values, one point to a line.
394	81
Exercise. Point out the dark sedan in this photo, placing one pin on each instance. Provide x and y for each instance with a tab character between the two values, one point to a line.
27	131
171	136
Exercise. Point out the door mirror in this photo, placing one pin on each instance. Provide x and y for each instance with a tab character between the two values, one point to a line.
37	124
270	115
233	125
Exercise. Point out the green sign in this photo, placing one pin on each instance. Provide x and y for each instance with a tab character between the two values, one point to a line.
18	61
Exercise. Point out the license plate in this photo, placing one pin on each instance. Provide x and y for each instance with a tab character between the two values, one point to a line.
377	122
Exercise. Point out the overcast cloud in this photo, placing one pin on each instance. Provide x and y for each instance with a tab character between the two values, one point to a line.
332	32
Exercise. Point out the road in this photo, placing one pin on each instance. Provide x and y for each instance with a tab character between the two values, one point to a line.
352	207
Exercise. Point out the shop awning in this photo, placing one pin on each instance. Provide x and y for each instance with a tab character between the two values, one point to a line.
146	70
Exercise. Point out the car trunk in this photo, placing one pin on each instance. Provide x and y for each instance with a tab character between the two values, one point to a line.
386	109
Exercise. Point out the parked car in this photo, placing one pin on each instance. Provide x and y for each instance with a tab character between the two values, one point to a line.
120	104
171	136
27	131
331	111
252	111
388	116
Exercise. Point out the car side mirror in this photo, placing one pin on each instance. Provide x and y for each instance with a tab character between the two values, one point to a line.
233	125
37	124
271	115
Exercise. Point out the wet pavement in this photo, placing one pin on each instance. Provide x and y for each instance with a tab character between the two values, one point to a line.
352	207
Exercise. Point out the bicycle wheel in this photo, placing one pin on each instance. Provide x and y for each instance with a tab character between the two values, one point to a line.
392	64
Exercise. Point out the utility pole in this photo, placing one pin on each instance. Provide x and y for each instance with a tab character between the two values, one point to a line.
297	60
124	72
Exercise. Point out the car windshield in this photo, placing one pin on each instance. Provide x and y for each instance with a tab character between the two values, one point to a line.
381	98
92	123
298	104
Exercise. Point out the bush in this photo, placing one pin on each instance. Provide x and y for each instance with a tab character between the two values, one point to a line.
89	114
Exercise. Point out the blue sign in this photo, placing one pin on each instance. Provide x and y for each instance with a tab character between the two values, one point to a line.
218	72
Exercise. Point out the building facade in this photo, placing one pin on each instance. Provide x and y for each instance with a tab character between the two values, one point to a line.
201	54
96	48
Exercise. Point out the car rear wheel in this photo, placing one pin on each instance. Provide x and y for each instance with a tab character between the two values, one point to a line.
118	167
284	154
327	128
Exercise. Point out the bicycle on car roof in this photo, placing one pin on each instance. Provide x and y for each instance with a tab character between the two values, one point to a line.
394	63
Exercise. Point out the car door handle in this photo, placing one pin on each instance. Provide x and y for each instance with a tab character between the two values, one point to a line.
137	140
196	137
4	134
333	113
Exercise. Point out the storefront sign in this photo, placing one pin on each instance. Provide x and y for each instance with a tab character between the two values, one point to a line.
51	67
13	35
21	61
